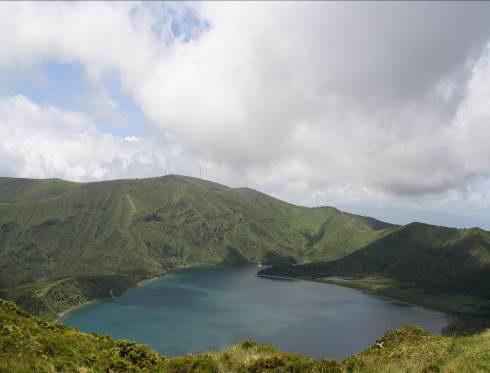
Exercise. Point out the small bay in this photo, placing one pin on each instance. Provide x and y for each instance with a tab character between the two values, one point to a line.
195	310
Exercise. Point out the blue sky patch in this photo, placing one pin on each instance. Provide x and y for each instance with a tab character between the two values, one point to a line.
65	85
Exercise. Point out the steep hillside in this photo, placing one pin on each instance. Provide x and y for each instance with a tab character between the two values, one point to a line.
52	229
434	257
28	343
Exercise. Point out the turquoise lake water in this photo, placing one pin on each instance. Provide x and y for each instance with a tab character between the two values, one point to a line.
197	310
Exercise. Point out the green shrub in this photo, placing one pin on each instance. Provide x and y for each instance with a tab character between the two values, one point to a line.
139	355
192	364
266	364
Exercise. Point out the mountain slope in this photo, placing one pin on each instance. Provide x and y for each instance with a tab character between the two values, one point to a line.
29	343
433	257
52	229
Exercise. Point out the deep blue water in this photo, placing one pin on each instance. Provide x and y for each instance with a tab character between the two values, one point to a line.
196	310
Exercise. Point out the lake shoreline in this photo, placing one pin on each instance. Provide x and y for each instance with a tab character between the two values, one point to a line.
461	311
147	281
364	290
65	313
285	278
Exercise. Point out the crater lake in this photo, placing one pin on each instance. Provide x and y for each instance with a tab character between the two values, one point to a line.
195	310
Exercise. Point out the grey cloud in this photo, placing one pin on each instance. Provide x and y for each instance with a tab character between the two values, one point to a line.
404	48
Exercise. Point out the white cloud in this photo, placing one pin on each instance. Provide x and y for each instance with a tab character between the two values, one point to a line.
131	139
316	103
43	141
101	105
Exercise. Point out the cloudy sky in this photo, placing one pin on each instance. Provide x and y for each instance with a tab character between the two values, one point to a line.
379	108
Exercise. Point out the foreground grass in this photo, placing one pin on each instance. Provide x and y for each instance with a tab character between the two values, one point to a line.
410	349
32	344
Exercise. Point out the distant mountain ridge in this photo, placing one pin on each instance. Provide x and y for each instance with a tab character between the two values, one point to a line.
53	229
448	259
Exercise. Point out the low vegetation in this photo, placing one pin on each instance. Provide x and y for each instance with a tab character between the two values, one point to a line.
29	343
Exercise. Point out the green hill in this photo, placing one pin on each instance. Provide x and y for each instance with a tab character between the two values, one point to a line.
445	259
32	344
120	232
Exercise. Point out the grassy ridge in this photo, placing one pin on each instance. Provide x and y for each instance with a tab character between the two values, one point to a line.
439	258
29	343
52	230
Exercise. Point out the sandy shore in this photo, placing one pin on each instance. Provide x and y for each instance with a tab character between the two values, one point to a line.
64	314
281	277
147	281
